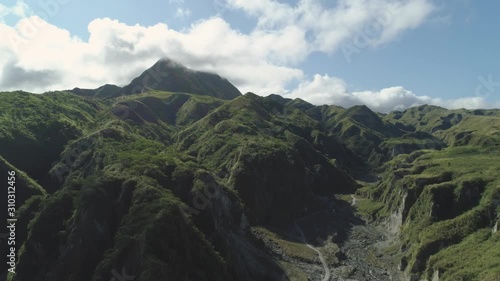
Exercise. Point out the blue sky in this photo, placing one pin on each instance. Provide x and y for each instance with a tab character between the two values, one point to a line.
387	54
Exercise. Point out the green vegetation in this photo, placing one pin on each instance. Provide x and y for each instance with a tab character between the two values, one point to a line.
293	273
456	127
289	248
184	181
449	196
479	251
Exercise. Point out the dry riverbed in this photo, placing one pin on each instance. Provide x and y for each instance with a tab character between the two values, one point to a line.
334	244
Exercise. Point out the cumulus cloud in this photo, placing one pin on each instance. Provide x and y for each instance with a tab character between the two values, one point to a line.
19	9
38	56
116	53
15	76
323	89
378	21
182	13
263	61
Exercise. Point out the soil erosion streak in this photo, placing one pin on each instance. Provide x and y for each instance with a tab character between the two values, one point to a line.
321	258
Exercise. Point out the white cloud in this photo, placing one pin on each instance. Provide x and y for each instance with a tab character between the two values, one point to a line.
38	56
20	10
182	13
116	53
467	102
262	61
323	89
379	20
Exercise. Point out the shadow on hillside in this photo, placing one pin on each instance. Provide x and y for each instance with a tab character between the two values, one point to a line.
330	225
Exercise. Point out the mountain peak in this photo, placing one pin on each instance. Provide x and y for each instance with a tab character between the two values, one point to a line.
167	63
169	75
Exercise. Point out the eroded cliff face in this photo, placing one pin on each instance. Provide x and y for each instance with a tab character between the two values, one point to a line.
167	185
432	209
154	195
277	187
105	224
394	222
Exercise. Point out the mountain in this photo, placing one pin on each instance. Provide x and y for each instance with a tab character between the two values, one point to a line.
104	91
200	182
455	127
167	75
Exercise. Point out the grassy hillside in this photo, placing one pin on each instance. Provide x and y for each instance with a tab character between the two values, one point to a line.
454	127
35	128
169	185
443	200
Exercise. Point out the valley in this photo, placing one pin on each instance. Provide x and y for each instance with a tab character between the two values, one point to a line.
347	246
193	180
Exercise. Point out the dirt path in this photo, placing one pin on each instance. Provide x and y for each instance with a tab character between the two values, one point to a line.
353	202
321	258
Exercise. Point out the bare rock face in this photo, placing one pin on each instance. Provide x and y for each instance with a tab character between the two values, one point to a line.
174	176
395	221
435	276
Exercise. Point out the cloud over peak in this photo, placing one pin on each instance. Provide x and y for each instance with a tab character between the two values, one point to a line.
38	56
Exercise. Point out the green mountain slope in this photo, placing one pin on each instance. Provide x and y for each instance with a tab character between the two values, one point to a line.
104	91
441	200
190	180
455	127
35	128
